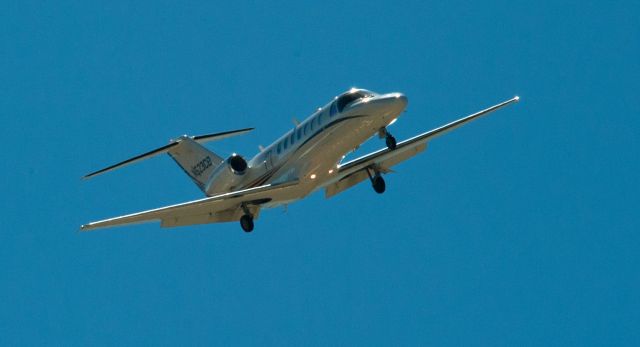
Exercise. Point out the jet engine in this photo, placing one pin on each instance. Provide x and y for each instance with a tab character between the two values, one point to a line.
228	175
237	164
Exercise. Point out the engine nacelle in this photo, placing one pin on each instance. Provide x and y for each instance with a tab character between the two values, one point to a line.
237	164
228	175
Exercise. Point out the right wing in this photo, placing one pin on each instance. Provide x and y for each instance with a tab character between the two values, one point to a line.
219	208
355	171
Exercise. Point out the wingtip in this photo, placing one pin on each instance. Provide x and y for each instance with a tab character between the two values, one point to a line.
93	174
516	98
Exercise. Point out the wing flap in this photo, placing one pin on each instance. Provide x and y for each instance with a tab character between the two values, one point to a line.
387	162
230	215
345	183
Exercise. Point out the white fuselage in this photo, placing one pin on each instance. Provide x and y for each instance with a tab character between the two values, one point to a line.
311	151
306	158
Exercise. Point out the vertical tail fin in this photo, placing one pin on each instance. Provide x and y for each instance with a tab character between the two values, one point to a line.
197	161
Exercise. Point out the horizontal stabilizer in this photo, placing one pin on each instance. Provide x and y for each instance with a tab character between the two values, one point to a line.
166	148
220	136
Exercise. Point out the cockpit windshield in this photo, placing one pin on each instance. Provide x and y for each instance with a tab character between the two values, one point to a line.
346	99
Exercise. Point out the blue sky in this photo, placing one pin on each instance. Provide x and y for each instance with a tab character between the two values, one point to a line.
518	229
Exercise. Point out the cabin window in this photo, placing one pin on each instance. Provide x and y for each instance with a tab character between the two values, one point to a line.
293	137
286	142
278	150
306	125
333	110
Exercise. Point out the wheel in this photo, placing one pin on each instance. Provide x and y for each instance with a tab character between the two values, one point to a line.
378	184
391	142
246	222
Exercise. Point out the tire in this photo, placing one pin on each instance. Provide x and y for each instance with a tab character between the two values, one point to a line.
379	186
246	222
391	142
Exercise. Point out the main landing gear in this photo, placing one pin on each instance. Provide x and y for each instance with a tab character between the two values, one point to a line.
377	182
388	138
246	221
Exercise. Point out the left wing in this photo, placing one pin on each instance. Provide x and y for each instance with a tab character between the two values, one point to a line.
219	208
355	171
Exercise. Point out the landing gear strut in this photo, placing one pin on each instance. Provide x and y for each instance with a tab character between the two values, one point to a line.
246	221
388	138
379	186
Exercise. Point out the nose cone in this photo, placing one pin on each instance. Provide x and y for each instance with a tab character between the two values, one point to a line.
401	100
395	102
387	104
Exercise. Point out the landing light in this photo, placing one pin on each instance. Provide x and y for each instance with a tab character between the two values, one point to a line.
313	176
330	171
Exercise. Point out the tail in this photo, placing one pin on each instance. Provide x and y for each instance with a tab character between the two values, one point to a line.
195	160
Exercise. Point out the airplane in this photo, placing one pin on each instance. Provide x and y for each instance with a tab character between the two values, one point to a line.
305	159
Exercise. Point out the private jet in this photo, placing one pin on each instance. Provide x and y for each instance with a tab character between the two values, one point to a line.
308	157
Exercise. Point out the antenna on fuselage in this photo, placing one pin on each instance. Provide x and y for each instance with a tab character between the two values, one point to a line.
295	121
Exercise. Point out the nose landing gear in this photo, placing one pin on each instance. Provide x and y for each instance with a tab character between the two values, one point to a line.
388	138
391	142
